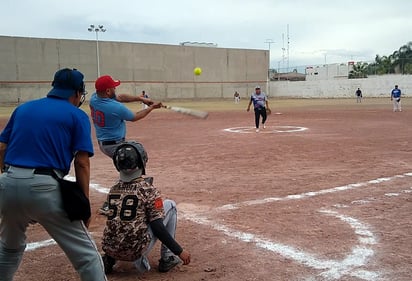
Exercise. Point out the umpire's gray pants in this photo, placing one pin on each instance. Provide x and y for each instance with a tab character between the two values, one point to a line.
170	221
27	197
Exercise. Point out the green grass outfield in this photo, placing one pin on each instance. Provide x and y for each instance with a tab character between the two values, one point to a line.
274	103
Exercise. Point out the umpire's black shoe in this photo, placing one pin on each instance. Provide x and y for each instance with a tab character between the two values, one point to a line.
108	263
168	264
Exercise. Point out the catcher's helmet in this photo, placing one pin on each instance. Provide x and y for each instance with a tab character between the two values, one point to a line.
130	156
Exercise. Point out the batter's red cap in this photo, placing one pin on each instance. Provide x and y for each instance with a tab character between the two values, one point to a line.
105	82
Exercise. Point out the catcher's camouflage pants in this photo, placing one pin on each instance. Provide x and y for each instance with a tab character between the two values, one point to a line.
170	221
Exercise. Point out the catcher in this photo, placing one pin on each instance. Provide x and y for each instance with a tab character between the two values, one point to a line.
261	107
138	216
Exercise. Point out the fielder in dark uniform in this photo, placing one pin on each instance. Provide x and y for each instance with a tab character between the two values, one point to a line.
37	146
358	94
396	99
138	216
260	105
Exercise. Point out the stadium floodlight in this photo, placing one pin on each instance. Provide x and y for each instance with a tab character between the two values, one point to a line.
97	29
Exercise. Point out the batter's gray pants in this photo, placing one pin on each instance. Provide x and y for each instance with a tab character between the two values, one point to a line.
27	197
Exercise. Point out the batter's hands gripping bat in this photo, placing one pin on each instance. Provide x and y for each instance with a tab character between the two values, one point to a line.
188	111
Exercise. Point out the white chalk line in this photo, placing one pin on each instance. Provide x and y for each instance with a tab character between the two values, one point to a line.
41	244
333	269
36	245
358	257
268	129
310	193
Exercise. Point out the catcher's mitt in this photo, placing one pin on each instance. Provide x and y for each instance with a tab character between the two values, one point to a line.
398	99
268	111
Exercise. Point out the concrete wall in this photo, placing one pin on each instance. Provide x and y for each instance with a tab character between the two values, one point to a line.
163	71
373	86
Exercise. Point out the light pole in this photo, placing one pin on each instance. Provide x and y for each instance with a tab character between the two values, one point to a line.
97	29
268	41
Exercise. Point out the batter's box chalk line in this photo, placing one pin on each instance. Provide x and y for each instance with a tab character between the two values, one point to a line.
331	269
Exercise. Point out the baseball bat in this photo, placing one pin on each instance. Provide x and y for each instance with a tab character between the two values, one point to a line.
188	111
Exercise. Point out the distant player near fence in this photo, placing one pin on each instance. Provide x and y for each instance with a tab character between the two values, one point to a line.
358	94
237	97
396	99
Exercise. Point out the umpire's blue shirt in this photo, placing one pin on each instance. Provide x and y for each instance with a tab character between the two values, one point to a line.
46	133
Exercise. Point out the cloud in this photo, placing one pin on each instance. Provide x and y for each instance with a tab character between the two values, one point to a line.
340	31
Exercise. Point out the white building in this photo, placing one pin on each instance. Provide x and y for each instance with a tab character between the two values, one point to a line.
328	71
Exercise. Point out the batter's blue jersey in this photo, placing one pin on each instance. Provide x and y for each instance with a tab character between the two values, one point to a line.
46	133
109	118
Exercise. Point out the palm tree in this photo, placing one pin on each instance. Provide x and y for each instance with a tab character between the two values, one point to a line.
404	57
383	65
399	61
359	70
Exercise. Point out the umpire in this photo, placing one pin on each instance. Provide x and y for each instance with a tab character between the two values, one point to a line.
32	157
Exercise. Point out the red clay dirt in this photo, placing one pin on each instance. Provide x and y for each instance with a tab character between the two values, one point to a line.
329	202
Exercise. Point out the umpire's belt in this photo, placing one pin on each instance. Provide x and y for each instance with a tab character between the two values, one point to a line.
45	171
36	171
112	142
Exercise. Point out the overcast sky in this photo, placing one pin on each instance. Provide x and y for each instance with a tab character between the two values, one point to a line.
318	31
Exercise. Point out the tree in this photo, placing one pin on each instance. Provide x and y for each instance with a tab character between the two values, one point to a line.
403	58
399	61
359	70
381	66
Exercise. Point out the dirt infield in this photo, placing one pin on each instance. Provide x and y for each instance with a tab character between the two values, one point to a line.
323	193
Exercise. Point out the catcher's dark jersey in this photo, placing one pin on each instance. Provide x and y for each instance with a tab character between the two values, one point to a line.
132	207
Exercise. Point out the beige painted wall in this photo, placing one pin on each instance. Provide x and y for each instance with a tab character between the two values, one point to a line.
163	71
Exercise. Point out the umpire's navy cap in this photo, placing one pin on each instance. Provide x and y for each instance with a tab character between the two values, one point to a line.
66	82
